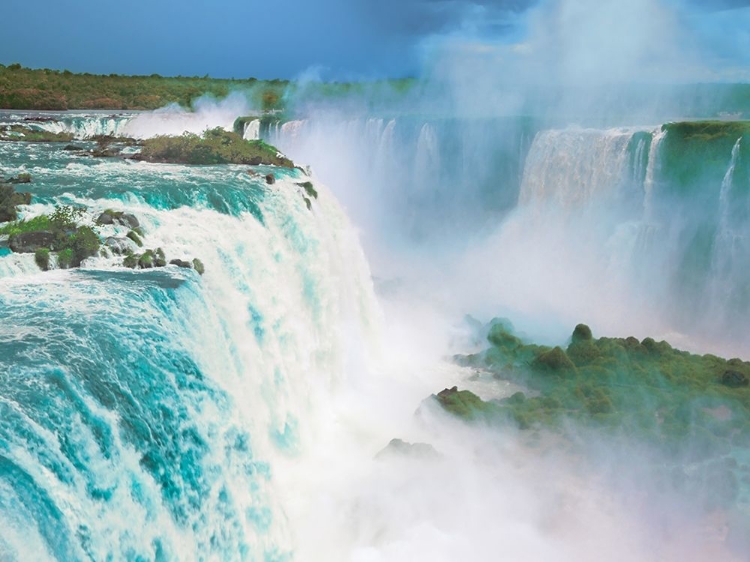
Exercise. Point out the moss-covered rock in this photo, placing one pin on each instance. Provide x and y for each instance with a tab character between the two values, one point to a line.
198	266
41	257
309	189
146	261
133	235
160	259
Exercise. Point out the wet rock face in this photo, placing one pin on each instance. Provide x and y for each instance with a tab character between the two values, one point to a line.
30	242
118	217
9	201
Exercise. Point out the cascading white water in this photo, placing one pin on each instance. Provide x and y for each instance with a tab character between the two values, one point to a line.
651	170
729	236
284	314
572	167
251	130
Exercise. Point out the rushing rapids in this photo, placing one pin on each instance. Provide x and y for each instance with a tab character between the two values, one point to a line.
141	411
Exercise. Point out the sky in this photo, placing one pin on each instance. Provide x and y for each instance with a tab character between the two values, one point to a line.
335	39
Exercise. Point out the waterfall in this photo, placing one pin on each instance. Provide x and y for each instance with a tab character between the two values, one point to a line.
141	412
651	170
252	130
572	167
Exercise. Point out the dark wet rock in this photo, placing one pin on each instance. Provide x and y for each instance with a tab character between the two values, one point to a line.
734	379
10	199
397	447
120	246
160	260
105	152
29	242
129	220
270	179
106	218
110	217
21	178
181	263
198	266
73	148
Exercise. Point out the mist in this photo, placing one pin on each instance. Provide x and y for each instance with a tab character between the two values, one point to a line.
528	176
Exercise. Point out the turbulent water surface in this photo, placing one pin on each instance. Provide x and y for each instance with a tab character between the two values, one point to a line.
160	414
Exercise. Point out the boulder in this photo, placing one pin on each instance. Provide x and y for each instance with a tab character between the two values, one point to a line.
120	246
129	220
198	266
270	179
30	242
109	217
106	218
181	263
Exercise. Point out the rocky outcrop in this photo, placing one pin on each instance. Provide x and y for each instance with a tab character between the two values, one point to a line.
10	199
30	242
110	217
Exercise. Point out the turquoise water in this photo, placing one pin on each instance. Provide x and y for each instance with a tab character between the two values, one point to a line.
140	411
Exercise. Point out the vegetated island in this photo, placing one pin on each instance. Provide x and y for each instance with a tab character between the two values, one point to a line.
693	409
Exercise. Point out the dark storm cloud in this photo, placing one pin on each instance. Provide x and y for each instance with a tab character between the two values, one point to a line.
424	17
349	39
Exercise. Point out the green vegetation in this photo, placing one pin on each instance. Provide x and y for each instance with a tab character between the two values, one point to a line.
708	131
24	88
697	153
216	146
32	225
640	388
57	232
690	412
41	257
